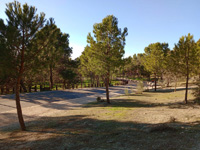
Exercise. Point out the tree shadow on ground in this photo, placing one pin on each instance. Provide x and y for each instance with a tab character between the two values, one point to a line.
134	103
49	96
167	90
50	99
11	119
120	103
83	132
61	100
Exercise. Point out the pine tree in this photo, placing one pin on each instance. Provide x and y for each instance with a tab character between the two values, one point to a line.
186	55
154	58
56	47
106	48
22	26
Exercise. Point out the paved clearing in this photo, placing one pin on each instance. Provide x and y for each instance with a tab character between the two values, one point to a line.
40	103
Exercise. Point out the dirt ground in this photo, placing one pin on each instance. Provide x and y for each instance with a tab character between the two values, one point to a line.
149	121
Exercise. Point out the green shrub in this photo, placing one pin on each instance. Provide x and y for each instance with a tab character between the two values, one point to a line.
126	91
161	83
99	99
140	87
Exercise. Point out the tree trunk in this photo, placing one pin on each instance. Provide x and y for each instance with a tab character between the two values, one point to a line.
138	74
18	105
17	98
107	90
23	86
2	90
149	77
175	85
51	77
64	84
97	79
187	74
168	82
155	81
161	77
186	90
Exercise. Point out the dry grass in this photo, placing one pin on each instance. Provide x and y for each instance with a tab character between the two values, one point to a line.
147	121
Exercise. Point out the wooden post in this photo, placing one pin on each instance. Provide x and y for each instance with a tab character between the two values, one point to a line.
56	87
20	90
13	90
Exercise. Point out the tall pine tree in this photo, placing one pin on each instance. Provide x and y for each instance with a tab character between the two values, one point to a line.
154	58
107	47
23	24
185	52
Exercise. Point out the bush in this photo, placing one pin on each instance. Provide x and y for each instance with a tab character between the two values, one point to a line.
99	99
126	91
132	90
140	87
172	119
161	83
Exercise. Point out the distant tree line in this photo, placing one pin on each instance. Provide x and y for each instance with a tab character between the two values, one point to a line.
183	61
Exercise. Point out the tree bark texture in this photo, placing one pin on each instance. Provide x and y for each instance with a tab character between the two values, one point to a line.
17	91
187	74
186	90
107	88
51	77
18	105
155	82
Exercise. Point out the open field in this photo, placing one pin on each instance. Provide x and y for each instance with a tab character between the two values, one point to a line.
148	121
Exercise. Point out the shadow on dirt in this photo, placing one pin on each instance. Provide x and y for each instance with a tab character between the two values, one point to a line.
134	103
82	132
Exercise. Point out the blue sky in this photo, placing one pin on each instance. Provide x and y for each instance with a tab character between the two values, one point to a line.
148	21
